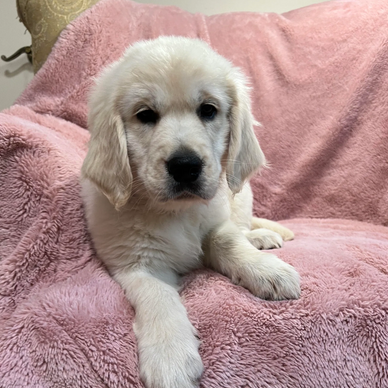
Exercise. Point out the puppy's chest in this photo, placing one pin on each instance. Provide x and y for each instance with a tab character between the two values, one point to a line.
175	241
183	244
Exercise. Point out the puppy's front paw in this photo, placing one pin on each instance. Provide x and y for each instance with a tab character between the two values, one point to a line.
171	362
264	239
268	277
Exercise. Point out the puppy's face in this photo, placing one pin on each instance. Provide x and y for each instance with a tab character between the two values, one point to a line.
166	121
175	118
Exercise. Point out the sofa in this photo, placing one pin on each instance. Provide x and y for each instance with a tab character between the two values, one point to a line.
319	79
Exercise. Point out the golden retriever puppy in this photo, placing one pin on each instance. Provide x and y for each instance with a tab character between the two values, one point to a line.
165	188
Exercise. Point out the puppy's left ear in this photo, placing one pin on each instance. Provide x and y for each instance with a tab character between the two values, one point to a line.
244	154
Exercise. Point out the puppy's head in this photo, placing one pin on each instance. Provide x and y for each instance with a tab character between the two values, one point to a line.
166	121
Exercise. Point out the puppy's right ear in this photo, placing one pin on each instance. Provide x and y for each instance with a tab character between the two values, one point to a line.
106	163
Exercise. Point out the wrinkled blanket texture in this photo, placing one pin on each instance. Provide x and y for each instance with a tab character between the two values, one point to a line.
319	80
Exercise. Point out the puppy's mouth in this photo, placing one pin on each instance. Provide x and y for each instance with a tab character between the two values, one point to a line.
184	191
185	196
189	193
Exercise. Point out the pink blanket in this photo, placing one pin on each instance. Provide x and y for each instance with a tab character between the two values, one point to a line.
320	87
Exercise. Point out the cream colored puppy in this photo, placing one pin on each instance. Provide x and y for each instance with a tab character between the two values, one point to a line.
165	190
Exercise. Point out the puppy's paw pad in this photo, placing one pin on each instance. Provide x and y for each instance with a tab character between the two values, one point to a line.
264	239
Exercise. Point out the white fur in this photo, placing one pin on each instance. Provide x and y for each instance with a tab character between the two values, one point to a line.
146	236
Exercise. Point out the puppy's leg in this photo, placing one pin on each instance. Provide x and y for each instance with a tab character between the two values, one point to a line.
167	342
261	233
265	275
261	223
266	234
264	238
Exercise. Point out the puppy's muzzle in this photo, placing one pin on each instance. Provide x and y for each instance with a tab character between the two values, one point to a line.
184	167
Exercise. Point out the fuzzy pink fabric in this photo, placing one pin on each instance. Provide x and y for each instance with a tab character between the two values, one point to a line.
320	87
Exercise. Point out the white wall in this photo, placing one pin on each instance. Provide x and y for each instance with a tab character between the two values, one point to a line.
210	7
14	76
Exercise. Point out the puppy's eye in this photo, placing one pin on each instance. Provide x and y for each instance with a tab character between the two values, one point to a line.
147	116
207	112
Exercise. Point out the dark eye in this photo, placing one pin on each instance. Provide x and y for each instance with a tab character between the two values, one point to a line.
147	116
207	112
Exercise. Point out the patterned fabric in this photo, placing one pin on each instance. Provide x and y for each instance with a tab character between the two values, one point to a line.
45	19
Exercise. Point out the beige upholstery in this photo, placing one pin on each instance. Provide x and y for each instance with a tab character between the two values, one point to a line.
45	19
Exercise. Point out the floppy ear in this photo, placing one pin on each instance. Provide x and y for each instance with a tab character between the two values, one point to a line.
244	154
106	163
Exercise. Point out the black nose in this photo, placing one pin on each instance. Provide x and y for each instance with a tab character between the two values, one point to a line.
184	167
